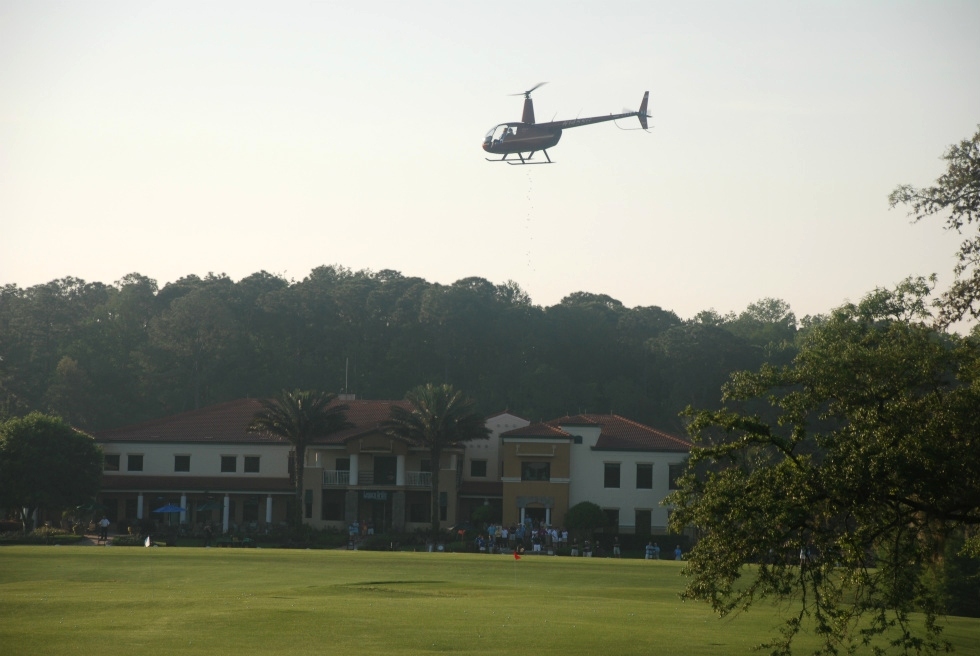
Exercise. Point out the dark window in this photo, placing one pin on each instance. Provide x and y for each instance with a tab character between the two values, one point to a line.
182	463
250	510
229	463
343	464
251	465
643	521
478	468
331	506
308	504
419	512
611	478
111	462
425	465
612	517
535	471
134	463
385	470
674	473
644	477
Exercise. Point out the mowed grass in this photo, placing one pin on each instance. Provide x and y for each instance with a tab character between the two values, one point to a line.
117	600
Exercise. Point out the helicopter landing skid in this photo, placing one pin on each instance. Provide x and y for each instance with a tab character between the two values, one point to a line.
524	160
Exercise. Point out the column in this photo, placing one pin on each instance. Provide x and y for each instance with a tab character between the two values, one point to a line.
353	469
224	514
547	516
139	506
522	515
268	509
400	470
183	504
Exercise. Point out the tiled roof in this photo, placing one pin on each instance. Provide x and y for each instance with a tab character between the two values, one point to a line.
366	416
190	484
546	430
226	422
621	434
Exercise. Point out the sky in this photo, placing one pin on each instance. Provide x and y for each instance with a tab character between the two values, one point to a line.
184	138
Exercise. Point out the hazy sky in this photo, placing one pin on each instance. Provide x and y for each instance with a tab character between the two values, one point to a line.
171	138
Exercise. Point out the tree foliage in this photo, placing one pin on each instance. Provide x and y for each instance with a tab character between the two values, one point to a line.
846	500
438	418
108	355
957	195
299	416
45	463
585	517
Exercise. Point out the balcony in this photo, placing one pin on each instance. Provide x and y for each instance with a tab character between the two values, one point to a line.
341	478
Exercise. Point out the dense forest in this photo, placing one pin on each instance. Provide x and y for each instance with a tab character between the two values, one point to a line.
104	355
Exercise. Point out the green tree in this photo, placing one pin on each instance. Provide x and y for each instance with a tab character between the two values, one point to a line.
956	194
845	500
585	518
299	416
45	463
439	418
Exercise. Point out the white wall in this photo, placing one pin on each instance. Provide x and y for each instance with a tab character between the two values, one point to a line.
588	477
158	459
489	449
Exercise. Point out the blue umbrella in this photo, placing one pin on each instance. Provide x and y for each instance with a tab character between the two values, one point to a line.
170	508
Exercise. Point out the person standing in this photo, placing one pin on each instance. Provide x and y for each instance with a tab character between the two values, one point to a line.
677	553
104	529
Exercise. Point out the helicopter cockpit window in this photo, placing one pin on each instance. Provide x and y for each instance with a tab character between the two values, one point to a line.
499	133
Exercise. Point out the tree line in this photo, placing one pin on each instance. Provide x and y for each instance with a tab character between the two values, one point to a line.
104	355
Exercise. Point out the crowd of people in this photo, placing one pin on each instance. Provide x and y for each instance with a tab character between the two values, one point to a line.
538	538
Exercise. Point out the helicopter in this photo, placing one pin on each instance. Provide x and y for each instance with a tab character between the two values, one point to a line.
526	136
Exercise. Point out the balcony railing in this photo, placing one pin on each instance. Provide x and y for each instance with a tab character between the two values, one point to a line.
341	478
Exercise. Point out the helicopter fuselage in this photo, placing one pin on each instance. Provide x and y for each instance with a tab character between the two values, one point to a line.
517	137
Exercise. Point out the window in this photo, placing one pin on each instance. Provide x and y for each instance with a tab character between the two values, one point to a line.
612	517
644	477
675	472
182	463
331	506
478	468
419	512
535	471
644	519
229	464
343	464
425	465
251	465
134	463
111	462
307	504
611	478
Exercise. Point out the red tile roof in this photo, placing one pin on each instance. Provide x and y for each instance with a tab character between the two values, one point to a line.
366	416
226	422
544	430
621	434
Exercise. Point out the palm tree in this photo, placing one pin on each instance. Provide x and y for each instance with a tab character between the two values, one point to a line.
299	416
439	418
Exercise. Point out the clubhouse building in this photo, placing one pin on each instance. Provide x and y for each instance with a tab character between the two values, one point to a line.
205	463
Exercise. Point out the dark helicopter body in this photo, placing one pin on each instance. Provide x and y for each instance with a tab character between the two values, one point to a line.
527	136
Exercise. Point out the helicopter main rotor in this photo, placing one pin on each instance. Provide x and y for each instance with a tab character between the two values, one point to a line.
527	94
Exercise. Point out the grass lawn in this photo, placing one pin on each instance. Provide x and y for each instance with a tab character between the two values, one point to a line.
119	600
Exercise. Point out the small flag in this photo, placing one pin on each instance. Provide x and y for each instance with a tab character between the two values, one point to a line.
517	556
